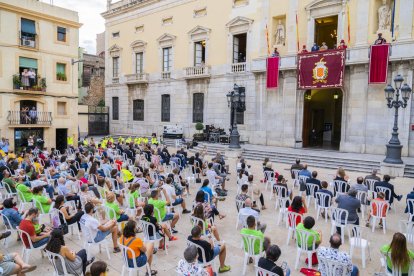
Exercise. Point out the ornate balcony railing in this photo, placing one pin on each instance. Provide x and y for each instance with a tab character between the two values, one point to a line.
136	78
238	67
29	118
197	71
166	75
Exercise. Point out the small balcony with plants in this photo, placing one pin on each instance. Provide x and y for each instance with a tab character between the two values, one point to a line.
22	83
61	76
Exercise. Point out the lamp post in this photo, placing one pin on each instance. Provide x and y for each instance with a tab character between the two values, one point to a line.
392	95
236	100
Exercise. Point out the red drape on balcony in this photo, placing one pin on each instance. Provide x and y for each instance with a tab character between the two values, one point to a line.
378	64
272	72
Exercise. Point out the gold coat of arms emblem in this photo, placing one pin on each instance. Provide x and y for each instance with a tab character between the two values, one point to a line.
320	72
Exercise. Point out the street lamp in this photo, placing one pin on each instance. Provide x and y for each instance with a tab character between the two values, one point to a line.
394	146
236	100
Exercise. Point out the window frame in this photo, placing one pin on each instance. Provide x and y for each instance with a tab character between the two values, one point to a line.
198	108
115	69
202	51
167	61
138	110
139	65
165	116
115	108
65	34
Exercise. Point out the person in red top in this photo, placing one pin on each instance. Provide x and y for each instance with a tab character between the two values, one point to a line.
118	163
28	225
342	45
374	205
298	206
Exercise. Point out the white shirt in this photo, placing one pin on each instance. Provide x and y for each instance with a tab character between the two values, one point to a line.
248	211
170	191
211	176
89	226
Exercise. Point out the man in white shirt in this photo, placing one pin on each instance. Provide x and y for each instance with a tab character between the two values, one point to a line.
96	232
248	211
214	178
172	197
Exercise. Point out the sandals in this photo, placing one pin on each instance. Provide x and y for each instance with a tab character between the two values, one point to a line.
153	272
224	269
116	250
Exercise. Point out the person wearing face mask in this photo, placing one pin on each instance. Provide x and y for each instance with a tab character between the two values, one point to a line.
11	212
28	225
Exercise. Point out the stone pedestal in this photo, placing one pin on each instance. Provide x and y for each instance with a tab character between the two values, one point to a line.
394	170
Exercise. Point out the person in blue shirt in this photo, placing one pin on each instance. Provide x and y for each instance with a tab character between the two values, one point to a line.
206	189
410	207
315	47
14	217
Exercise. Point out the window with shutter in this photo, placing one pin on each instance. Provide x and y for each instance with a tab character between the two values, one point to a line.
198	107
167	59
138	63
138	110
115	108
165	108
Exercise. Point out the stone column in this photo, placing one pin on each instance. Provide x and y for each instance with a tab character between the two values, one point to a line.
341	21
291	27
311	31
362	11
405	20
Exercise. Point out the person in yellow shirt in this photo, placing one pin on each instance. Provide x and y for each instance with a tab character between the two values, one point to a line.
145	140
128	140
111	139
70	140
11	155
2	153
154	139
126	174
85	142
120	140
38	166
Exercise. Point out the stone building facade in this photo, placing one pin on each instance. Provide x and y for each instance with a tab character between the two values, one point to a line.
173	62
91	80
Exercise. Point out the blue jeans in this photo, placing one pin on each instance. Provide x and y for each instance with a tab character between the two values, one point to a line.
177	201
122	217
50	190
168	216
41	242
141	260
100	236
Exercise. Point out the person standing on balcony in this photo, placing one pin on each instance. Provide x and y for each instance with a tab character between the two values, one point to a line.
32	77
33	115
25	79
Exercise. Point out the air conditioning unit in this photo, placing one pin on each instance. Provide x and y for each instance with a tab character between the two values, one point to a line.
28	43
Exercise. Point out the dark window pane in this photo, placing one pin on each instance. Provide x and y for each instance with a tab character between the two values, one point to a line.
198	107
115	108
240	118
138	110
165	108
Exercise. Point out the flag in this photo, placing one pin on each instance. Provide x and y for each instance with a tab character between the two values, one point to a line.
297	31
349	22
393	21
267	40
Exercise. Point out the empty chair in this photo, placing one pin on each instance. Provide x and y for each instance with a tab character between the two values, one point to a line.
253	248
339	219
357	241
302	245
323	202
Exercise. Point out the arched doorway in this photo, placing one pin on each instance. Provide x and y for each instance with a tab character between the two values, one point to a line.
322	119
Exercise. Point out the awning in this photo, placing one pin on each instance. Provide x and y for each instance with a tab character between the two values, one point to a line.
28	62
28	26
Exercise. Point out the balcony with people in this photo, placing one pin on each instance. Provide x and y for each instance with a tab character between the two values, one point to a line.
26	113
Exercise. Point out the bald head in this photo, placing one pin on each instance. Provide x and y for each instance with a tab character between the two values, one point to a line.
335	241
248	202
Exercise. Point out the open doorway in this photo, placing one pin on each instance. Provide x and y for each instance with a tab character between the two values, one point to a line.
61	139
326	30
239	48
322	119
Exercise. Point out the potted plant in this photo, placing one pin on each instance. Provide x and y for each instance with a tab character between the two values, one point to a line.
43	84
17	83
199	136
61	76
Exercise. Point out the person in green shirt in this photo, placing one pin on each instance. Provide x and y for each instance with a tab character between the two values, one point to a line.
307	226
43	203
251	231
9	181
398	255
26	192
133	198
160	206
120	215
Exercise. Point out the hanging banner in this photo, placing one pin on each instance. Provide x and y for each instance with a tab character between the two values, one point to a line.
317	70
378	64
272	72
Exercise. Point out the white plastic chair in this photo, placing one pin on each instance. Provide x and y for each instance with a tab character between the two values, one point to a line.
249	242
339	187
302	179
410	204
323	202
58	263
204	263
291	224
27	250
388	195
339	218
239	205
148	238
407	228
270	176
9	192
263	272
281	201
134	270
381	213
357	241
24	205
302	238
311	189
296	178
88	243
396	271
332	267
362	197
241	220
370	184
8	227
72	226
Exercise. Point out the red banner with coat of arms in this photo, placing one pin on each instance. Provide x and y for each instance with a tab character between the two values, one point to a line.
318	70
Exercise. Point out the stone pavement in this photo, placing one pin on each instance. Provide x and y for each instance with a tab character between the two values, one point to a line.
165	264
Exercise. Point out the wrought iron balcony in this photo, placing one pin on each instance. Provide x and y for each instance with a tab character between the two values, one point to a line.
136	78
29	118
37	85
197	72
238	67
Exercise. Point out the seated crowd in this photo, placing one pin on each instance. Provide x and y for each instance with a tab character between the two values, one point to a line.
120	189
